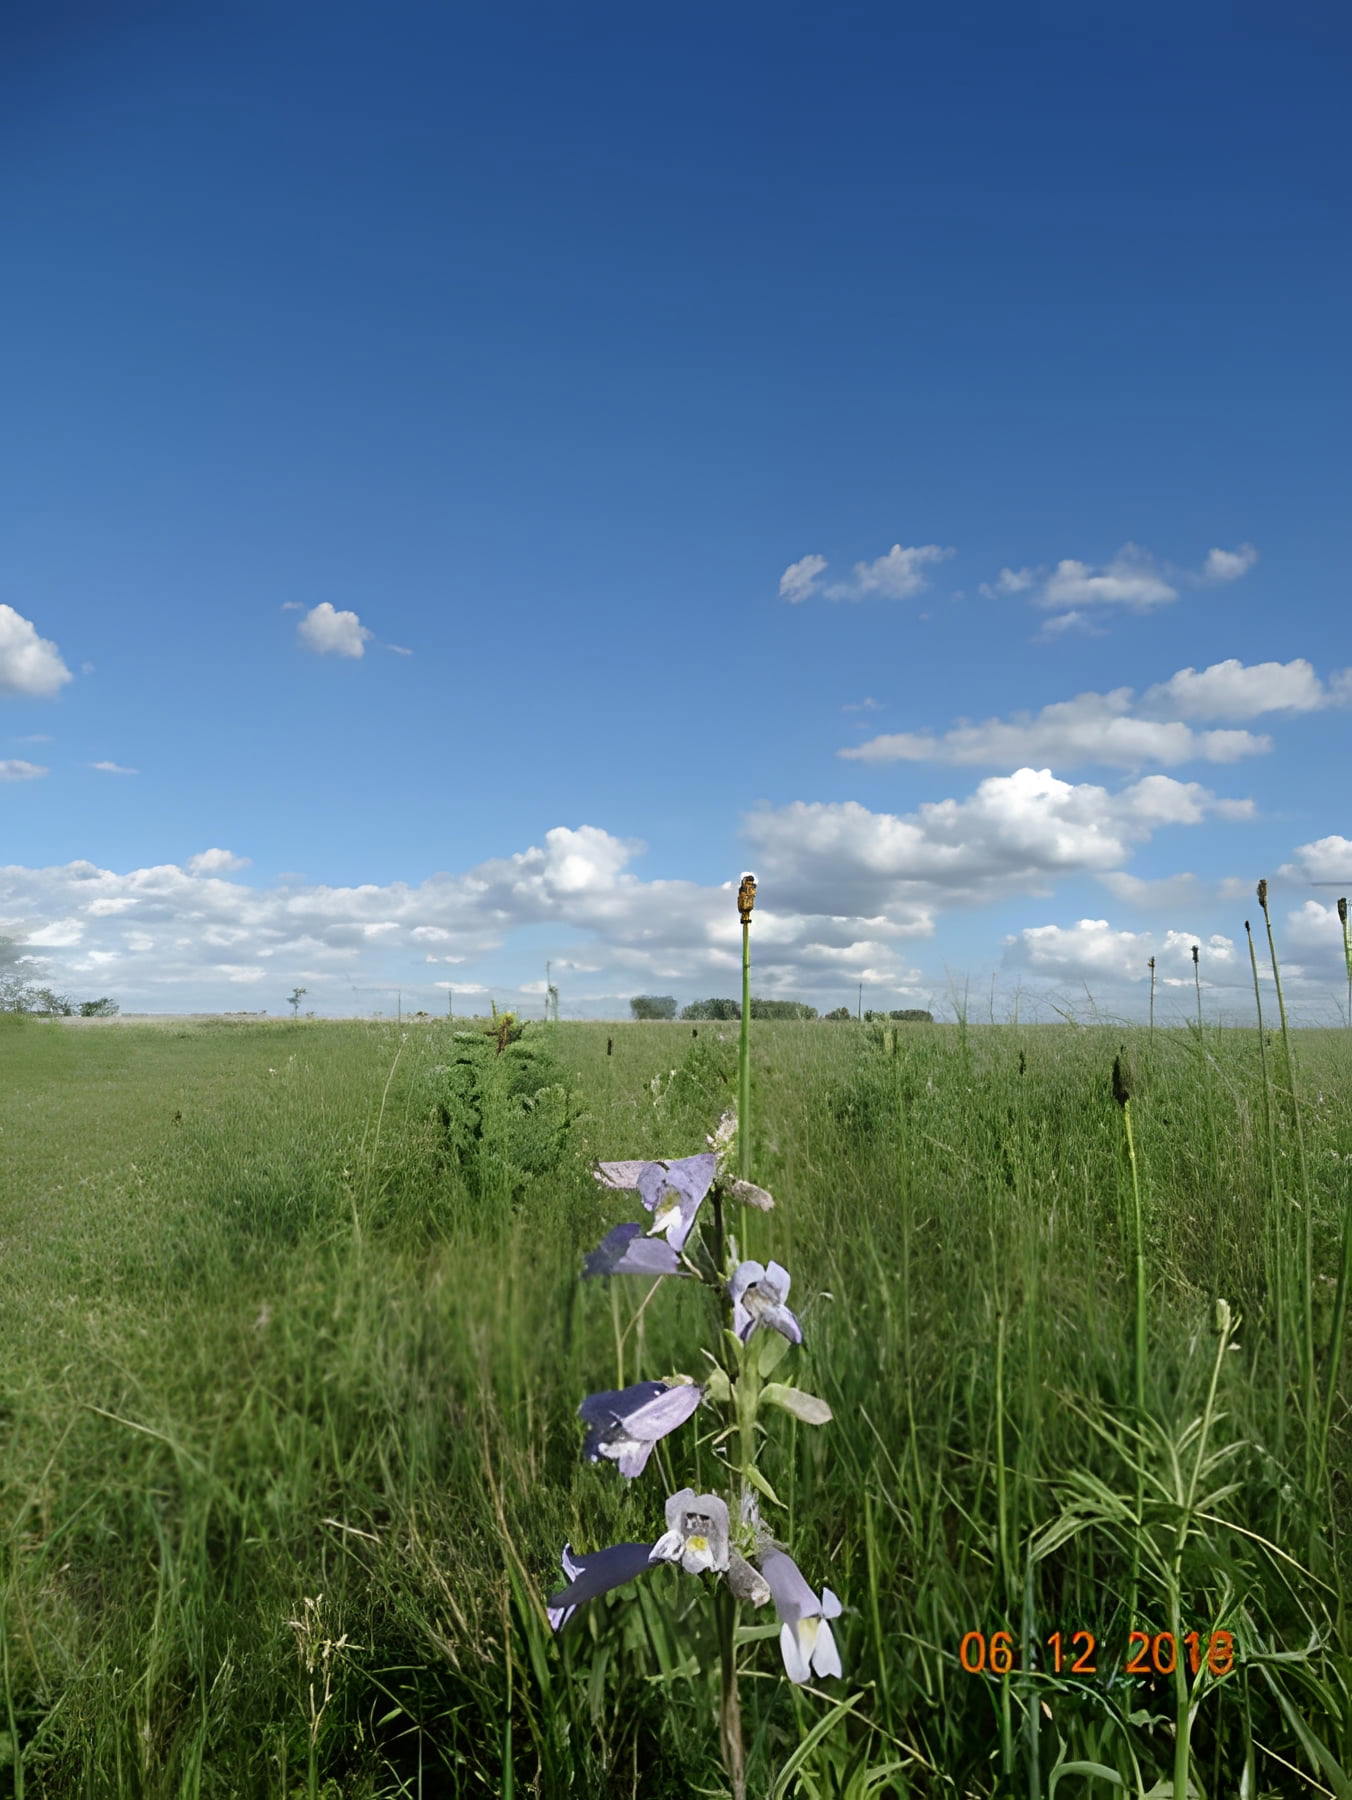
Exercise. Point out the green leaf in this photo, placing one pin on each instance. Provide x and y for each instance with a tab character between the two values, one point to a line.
804	1406
773	1349
757	1480
717	1386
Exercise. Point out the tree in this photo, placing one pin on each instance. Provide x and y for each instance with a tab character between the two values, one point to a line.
910	1015
781	1009
294	1000
839	1012
653	1006
19	988
99	1009
712	1009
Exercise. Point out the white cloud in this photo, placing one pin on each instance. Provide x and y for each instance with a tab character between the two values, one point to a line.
215	862
1121	730
896	576
330	633
293	606
1099	729
1060	624
1131	580
398	649
45	737
1008	581
14	768
1229	565
29	665
1233	690
1092	950
843	889
1165	891
1326	859
799	580
112	768
58	934
1016	832
868	704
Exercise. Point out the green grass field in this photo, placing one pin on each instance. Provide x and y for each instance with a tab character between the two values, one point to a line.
291	1345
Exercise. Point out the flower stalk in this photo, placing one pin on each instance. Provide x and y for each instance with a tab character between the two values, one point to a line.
746	900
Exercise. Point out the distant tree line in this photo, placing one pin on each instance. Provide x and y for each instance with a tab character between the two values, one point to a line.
22	992
663	1006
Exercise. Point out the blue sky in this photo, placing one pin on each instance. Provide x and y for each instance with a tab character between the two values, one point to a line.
495	476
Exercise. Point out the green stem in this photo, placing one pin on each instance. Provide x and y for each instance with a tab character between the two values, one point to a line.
729	1703
1307	1221
1274	1189
744	1063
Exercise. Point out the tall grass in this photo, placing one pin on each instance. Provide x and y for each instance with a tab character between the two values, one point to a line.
287	1444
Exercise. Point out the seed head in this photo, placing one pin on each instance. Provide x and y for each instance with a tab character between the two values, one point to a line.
1342	910
1194	955
1262	893
746	897
1151	965
1121	1087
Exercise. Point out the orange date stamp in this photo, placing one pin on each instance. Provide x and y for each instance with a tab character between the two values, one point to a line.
1080	1653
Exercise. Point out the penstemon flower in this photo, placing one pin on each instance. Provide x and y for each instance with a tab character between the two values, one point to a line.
758	1295
592	1575
704	1535
626	1251
697	1533
624	1424
805	1639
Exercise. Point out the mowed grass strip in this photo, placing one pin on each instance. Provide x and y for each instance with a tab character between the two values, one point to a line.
288	1443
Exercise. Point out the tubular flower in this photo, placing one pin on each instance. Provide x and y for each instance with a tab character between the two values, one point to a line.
805	1638
697	1533
758	1295
672	1193
623	1424
626	1251
592	1575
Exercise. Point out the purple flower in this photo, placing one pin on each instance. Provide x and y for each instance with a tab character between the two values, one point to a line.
672	1193
697	1533
805	1639
758	1295
592	1575
671	1190
623	1424
626	1251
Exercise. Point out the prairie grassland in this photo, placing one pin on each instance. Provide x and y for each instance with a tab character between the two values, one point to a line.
292	1339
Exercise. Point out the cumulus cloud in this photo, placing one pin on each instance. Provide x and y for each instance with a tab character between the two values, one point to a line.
14	768
29	665
215	862
799	581
843	890
1327	859
330	633
1233	690
1091	950
1008	581
1121	730
1098	729
1015	833
1131	581
112	768
1229	565
895	576
1134	580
